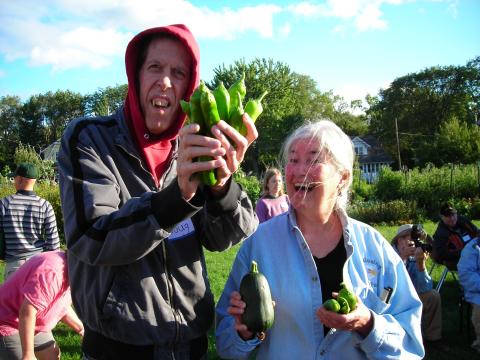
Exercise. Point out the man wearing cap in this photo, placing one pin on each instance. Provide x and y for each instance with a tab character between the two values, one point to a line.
453	232
414	259
27	221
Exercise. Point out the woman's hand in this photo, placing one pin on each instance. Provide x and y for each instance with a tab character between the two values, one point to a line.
359	320
236	309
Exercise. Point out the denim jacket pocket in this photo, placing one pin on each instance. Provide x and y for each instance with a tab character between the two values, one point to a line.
374	303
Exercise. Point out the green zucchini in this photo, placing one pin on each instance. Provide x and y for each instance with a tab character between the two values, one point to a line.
255	291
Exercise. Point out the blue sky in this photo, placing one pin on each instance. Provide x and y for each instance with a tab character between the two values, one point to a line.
352	47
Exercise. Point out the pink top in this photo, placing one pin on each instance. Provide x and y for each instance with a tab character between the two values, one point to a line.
268	206
43	281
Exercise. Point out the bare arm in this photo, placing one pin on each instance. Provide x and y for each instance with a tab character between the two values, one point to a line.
71	320
26	327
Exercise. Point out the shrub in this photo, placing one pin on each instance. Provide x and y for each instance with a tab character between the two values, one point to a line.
51	192
389	185
26	153
390	212
250	184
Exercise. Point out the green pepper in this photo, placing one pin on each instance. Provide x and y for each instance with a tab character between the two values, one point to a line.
254	107
237	86
348	295
332	305
222	97
209	108
210	117
344	307
207	177
236	113
196	114
186	109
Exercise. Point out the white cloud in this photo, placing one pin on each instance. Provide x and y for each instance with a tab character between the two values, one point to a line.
81	46
71	33
365	14
355	91
369	18
2	73
285	30
67	33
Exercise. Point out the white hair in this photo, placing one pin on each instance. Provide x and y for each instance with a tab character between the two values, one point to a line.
331	141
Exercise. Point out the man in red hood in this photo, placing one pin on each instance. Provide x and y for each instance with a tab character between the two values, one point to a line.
136	216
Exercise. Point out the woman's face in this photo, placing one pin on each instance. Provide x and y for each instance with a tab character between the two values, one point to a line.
312	180
274	185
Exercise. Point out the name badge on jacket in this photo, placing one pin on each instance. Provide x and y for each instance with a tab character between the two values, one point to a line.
182	230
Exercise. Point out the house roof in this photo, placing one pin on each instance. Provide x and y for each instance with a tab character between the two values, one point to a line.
51	151
376	154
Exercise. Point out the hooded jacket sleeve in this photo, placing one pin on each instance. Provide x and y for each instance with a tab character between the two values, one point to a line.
101	216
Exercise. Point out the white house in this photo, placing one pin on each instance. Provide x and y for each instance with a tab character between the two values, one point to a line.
371	157
51	151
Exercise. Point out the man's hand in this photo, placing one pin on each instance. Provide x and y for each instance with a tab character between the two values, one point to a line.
235	146
227	150
193	145
420	258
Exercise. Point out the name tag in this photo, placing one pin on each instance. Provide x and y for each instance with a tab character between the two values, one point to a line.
182	230
466	238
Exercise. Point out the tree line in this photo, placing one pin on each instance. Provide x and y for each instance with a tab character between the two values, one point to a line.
432	113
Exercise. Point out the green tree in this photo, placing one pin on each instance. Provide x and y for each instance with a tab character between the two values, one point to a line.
105	101
420	103
292	99
10	113
45	116
457	142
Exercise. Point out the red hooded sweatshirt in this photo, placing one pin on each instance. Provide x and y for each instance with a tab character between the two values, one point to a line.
156	148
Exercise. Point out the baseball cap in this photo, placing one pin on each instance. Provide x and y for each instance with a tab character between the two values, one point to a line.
26	170
447	210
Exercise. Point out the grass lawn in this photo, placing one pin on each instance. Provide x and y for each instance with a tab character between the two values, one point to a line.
219	266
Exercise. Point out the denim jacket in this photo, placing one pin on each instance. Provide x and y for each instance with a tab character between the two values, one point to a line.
284	257
469	271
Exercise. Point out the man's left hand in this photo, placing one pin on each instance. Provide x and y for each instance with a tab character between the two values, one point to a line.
235	146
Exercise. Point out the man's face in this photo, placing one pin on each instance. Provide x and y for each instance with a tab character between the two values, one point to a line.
405	245
450	220
164	78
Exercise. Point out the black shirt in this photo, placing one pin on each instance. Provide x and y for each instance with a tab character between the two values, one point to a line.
330	271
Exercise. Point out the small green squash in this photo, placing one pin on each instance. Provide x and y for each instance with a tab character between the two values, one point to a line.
255	291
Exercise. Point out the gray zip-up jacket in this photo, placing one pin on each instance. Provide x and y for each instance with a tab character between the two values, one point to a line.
136	262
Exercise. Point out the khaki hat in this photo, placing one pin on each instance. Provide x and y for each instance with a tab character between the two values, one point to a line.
402	230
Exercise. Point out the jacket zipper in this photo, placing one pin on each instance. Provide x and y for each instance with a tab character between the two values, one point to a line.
171	299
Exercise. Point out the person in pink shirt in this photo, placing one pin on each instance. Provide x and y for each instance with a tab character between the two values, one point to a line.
273	201
32	301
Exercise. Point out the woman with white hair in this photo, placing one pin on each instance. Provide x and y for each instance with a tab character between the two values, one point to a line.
306	253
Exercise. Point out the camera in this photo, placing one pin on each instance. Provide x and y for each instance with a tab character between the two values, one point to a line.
416	233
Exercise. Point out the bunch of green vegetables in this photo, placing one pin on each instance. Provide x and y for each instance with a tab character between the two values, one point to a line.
206	108
345	302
